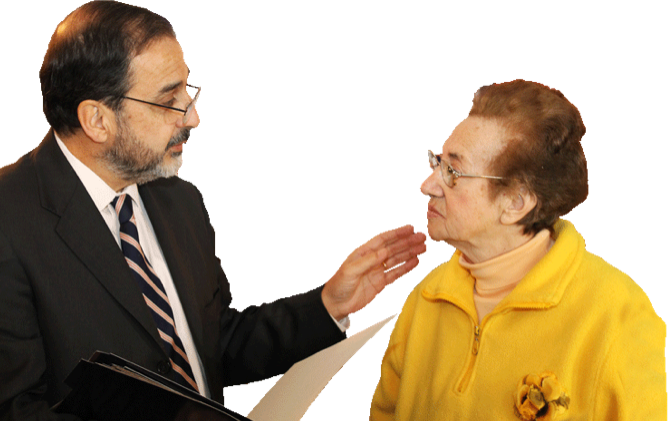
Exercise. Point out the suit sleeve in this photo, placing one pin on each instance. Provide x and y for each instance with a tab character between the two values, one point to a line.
23	368
266	340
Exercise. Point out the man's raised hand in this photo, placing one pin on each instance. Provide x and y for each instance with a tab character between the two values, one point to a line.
371	267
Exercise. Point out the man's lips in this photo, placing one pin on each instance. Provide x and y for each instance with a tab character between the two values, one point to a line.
177	147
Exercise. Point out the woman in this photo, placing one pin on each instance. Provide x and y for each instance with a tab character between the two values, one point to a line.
522	322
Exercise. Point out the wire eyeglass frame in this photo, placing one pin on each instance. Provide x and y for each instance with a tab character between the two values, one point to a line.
186	113
449	174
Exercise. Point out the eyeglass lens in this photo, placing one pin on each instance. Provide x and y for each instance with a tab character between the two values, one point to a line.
446	173
191	106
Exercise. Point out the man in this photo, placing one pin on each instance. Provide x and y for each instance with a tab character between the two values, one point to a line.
103	248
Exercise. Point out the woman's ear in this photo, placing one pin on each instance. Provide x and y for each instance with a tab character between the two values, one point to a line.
518	205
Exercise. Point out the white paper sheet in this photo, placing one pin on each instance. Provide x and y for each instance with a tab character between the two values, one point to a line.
291	396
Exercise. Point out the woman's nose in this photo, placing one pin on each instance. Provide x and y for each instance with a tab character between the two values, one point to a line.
431	186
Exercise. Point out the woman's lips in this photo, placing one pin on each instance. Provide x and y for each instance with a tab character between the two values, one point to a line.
433	213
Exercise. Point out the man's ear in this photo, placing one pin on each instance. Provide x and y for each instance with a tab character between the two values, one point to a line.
518	205
97	120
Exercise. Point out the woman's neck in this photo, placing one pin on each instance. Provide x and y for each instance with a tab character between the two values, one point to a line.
508	268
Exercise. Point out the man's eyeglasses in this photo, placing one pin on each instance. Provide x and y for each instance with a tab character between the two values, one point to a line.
186	112
449	174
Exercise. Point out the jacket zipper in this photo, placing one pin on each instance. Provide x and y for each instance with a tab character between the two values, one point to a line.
472	359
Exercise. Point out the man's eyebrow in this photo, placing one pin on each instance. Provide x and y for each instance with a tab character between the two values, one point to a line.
170	88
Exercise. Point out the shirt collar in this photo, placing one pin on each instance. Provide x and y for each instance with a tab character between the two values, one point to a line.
98	190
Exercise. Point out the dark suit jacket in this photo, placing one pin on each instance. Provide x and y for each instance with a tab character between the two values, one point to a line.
66	290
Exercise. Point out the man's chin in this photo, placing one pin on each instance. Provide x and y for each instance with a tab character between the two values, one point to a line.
177	161
168	168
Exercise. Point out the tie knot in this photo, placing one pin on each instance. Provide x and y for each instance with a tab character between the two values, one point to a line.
123	206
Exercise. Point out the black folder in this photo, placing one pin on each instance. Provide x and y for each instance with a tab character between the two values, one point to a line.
107	387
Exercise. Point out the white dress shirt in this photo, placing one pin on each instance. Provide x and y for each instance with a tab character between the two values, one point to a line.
102	196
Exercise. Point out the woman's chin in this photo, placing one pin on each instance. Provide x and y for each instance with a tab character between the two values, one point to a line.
435	233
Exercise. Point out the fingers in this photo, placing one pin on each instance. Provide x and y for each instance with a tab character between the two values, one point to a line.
384	239
389	238
404	241
390	247
400	271
354	267
403	256
402	250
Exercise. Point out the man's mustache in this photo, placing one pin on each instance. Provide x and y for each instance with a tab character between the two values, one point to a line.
179	138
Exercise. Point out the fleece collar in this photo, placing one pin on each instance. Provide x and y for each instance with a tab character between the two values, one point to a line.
542	287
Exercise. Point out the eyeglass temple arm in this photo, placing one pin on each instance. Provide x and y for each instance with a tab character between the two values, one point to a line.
433	159
199	89
158	105
481	176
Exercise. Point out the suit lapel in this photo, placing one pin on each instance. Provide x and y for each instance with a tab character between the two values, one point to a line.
84	231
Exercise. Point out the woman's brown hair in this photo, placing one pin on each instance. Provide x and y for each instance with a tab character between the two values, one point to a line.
543	153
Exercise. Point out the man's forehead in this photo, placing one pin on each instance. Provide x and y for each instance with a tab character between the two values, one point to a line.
169	87
160	68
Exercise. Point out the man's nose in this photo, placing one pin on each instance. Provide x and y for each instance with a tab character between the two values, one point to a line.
193	119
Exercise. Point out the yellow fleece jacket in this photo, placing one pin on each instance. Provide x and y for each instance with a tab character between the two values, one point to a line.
573	315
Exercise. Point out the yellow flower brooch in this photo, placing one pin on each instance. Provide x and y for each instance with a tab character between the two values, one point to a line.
540	398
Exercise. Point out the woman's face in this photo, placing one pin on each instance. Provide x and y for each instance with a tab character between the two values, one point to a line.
463	215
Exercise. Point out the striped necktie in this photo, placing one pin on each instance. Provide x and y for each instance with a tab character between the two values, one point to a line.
153	291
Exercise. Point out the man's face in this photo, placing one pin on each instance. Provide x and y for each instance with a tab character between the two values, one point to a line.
463	215
148	142
136	162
